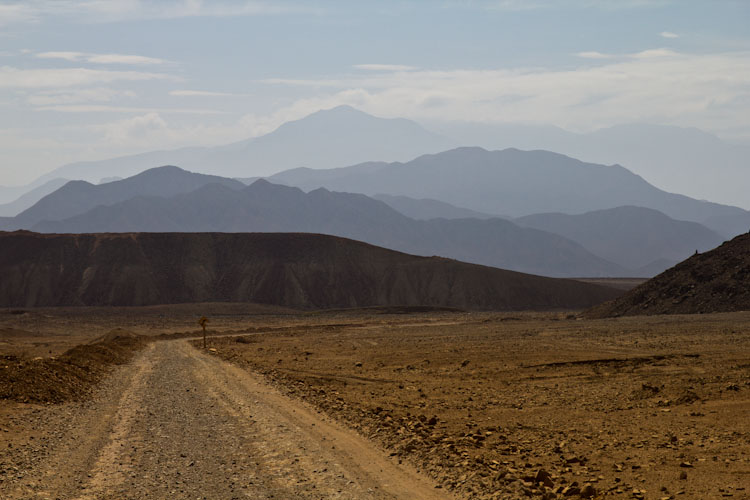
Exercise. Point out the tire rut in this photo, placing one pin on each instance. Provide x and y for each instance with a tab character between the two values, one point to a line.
181	423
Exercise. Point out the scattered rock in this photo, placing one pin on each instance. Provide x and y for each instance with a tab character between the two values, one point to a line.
571	490
543	477
588	491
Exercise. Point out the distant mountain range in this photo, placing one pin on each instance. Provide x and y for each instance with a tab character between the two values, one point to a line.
630	236
426	209
677	159
77	197
305	271
332	138
516	183
266	207
636	241
28	198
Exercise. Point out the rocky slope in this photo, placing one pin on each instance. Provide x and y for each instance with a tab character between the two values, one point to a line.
715	281
305	271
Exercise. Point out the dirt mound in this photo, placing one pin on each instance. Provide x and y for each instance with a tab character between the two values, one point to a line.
116	334
304	271
715	281
68	377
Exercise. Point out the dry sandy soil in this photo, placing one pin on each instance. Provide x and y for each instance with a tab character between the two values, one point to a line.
483	405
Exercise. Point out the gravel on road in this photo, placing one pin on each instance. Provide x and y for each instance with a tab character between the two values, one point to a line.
180	423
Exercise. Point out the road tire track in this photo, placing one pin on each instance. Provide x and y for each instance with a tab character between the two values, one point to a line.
180	423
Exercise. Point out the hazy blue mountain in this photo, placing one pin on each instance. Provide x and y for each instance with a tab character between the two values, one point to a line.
655	268
634	237
682	160
326	139
426	209
126	166
266	207
330	138
106	180
511	182
30	197
9	194
730	225
77	197
676	159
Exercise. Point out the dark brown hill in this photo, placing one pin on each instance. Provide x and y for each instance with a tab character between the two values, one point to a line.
715	281
297	270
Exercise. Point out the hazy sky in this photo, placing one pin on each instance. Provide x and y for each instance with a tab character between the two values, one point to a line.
92	79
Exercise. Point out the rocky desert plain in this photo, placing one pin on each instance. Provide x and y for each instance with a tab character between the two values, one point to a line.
372	403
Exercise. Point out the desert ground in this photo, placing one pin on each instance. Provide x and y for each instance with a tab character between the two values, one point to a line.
378	403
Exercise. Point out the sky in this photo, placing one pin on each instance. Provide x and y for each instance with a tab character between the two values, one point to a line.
94	79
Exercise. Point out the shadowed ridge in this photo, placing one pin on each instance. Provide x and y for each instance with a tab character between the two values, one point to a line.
267	207
78	197
641	239
265	188
715	281
305	271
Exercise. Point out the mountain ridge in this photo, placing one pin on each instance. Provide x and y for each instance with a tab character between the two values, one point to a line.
634	237
268	207
338	136
305	271
514	183
77	197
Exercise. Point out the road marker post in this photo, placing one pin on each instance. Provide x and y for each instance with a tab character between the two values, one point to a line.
203	321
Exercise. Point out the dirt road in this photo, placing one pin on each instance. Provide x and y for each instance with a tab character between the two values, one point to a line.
180	423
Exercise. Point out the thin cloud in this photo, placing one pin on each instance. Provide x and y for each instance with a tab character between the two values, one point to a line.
66	56
101	58
123	59
668	34
77	96
527	5
16	13
94	108
11	77
134	130
593	55
94	11
199	93
654	53
384	67
659	85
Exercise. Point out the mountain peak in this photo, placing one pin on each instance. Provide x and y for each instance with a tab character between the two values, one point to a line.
163	170
343	116
262	186
343	109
